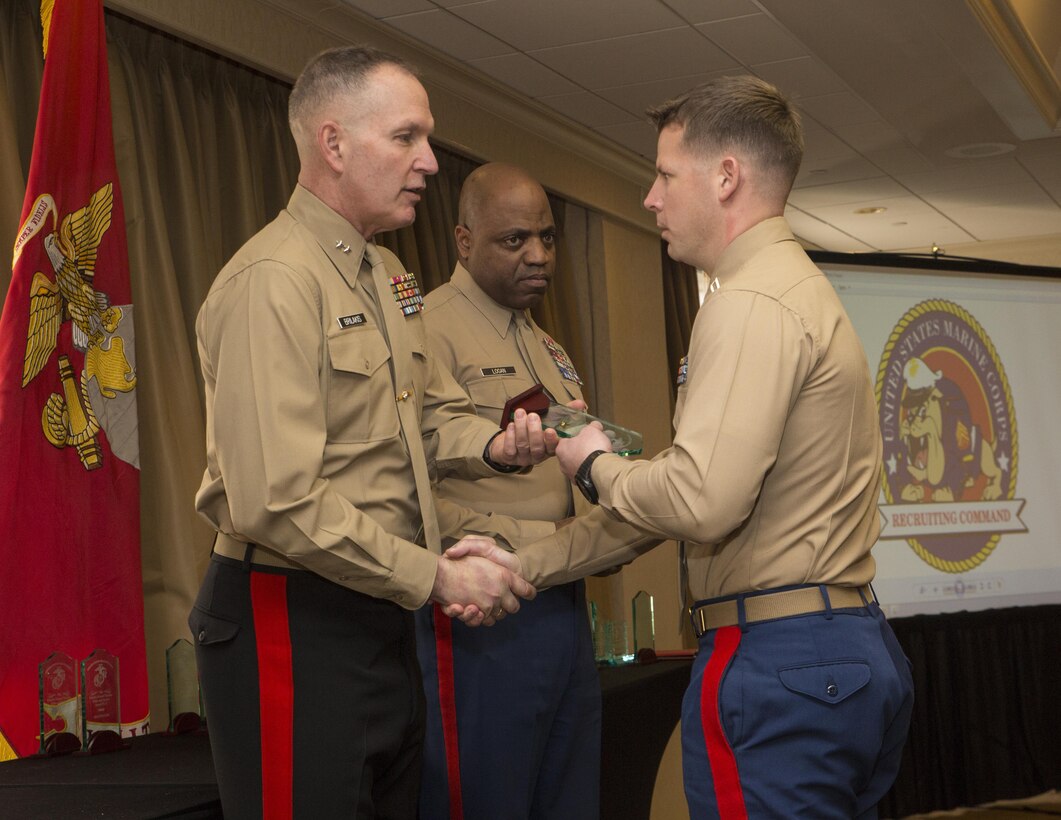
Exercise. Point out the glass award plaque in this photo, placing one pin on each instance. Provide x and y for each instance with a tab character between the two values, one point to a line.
611	647
644	622
616	643
568	422
596	631
598	641
101	728
182	679
57	677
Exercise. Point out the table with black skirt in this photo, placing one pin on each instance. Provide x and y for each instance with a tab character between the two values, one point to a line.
172	776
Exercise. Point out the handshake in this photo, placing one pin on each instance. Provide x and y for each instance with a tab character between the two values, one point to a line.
479	582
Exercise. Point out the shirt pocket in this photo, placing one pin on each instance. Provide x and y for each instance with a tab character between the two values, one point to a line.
489	394
361	401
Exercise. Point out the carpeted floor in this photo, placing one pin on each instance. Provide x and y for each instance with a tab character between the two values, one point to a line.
1044	805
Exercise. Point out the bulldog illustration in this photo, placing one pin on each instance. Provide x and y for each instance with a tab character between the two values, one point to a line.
946	454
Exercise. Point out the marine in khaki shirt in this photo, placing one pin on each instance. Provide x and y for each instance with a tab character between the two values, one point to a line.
304	440
326	417
496	353
772	478
531	679
800	698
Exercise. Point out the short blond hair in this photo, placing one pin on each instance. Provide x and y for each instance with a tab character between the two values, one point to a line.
740	113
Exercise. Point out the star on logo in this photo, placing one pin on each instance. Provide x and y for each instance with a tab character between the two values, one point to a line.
892	463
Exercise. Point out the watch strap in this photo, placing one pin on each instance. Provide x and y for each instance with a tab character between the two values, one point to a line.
584	476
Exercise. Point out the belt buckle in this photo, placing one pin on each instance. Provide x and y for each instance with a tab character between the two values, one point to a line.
696	620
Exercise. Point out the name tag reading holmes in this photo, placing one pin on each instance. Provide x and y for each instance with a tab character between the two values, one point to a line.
351	321
506	370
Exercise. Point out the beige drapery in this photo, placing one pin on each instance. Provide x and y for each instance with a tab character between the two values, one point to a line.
681	301
204	160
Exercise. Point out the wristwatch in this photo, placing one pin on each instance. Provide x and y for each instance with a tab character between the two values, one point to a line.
501	468
584	477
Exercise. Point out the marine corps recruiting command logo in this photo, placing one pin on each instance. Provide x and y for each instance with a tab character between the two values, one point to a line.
950	438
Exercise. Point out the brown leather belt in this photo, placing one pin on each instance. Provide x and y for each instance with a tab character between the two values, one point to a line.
782	604
233	548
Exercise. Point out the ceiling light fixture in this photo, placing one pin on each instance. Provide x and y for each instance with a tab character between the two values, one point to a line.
980	150
873	209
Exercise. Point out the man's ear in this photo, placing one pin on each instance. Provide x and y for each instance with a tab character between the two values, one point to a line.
330	143
729	177
464	241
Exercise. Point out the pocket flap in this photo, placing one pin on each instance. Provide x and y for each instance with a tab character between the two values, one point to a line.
361	351
493	392
209	629
829	682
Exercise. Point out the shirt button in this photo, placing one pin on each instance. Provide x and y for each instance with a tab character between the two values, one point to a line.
202	635
403	395
831	690
343	578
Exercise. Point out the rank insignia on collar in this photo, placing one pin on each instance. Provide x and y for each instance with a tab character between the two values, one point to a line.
407	293
683	370
561	360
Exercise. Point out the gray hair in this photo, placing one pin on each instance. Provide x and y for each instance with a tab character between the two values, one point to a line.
334	73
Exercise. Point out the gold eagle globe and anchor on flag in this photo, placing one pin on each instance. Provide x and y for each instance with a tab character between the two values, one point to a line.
68	387
69	418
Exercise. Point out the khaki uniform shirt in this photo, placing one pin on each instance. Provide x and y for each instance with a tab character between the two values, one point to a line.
496	353
774	472
305	454
481	344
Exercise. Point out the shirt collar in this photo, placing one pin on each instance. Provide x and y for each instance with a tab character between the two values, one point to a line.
746	245
344	246
499	316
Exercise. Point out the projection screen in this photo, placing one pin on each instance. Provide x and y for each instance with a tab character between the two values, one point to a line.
968	384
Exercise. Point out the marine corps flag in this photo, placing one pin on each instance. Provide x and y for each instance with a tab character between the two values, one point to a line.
70	479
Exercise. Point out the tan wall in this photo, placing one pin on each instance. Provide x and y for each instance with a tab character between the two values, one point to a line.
640	389
668	797
640	397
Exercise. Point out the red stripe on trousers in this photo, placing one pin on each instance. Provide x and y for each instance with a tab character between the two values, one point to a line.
447	705
728	793
276	692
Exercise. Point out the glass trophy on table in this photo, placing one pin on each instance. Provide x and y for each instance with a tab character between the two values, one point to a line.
57	676
569	422
644	623
101	728
185	698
